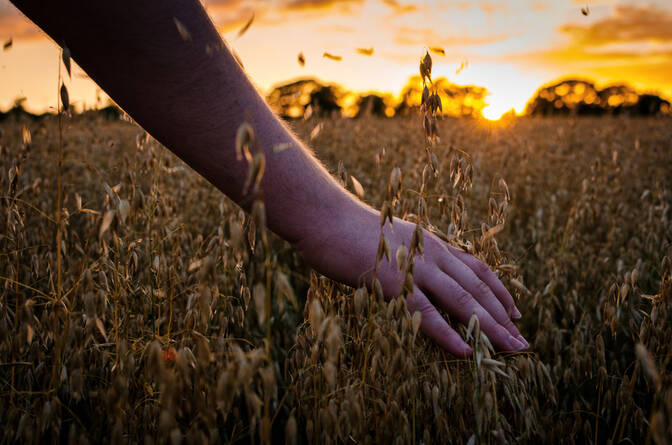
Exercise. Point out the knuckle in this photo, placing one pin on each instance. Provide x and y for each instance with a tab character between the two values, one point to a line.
482	289
481	268
508	325
428	312
507	302
462	298
498	333
416	303
490	326
508	307
425	308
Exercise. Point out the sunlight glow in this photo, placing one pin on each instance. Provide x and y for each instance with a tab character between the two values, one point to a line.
494	112
509	87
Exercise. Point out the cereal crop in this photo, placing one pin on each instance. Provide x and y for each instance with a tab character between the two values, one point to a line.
178	318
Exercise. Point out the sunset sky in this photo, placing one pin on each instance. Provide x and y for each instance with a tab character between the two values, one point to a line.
512	47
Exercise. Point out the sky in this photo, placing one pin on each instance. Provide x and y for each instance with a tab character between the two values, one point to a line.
510	47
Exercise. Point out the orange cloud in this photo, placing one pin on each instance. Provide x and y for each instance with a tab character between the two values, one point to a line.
15	25
406	35
592	2
632	45
492	8
338	29
228	4
316	4
230	14
399	8
628	24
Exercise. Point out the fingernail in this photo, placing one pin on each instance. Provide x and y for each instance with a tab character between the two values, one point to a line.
515	344
515	313
521	339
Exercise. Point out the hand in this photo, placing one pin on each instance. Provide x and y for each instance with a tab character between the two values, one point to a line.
444	277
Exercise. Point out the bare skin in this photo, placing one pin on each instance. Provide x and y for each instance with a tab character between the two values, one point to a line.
192	96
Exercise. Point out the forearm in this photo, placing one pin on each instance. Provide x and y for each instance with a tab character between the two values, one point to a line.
192	96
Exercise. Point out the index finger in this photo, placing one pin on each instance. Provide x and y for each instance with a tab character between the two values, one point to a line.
486	274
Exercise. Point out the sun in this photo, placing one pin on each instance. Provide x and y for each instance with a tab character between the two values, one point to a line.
508	87
494	112
504	102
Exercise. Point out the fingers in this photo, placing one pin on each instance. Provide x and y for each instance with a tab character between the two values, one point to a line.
434	325
488	276
481	292
453	298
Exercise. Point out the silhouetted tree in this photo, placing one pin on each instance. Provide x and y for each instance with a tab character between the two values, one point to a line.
110	112
371	105
291	100
650	105
582	98
17	112
324	102
457	100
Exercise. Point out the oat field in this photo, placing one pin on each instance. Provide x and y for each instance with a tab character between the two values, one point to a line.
151	326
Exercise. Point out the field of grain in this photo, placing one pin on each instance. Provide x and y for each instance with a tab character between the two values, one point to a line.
155	330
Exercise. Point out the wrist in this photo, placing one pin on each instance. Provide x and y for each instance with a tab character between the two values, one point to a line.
343	238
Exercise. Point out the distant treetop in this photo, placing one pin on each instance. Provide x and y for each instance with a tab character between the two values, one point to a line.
583	98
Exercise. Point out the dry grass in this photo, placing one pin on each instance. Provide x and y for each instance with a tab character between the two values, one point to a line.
162	323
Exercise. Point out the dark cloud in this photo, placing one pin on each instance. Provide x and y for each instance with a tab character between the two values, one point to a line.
627	24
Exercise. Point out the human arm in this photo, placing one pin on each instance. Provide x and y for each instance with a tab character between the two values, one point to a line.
192	96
